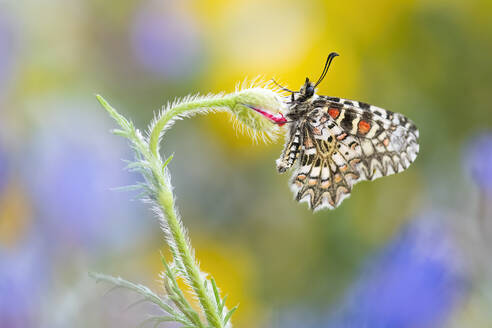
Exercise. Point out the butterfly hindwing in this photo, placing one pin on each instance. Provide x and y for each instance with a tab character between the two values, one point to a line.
326	170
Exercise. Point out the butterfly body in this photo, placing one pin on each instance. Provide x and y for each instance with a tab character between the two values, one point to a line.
333	143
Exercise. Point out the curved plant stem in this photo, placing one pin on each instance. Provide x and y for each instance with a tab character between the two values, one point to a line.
158	190
185	108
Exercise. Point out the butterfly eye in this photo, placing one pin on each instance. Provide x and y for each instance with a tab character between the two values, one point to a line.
310	91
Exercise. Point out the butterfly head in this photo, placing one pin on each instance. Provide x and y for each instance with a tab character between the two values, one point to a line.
308	89
298	100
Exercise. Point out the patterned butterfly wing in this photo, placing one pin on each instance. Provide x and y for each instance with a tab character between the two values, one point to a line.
342	142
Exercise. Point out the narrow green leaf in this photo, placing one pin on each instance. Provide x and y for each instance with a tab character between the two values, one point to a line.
222	304
140	289
137	165
229	314
217	296
167	161
121	133
128	188
176	294
120	119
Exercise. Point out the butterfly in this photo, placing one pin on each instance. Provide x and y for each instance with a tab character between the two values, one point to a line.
334	143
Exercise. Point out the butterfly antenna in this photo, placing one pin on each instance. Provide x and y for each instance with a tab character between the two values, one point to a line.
325	69
282	87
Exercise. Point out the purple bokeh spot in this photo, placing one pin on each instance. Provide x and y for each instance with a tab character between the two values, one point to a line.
165	40
70	172
23	279
478	161
72	193
73	190
415	282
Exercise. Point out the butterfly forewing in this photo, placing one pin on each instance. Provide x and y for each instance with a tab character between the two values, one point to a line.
341	142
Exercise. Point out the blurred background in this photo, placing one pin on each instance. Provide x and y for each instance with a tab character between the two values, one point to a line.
409	250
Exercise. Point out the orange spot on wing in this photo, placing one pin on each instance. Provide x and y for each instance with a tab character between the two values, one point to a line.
341	136
333	112
364	127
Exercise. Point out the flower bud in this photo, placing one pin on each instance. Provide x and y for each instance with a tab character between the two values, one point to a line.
259	109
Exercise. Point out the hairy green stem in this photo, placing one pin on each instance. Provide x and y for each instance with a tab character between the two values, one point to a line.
183	109
159	190
165	200
237	103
